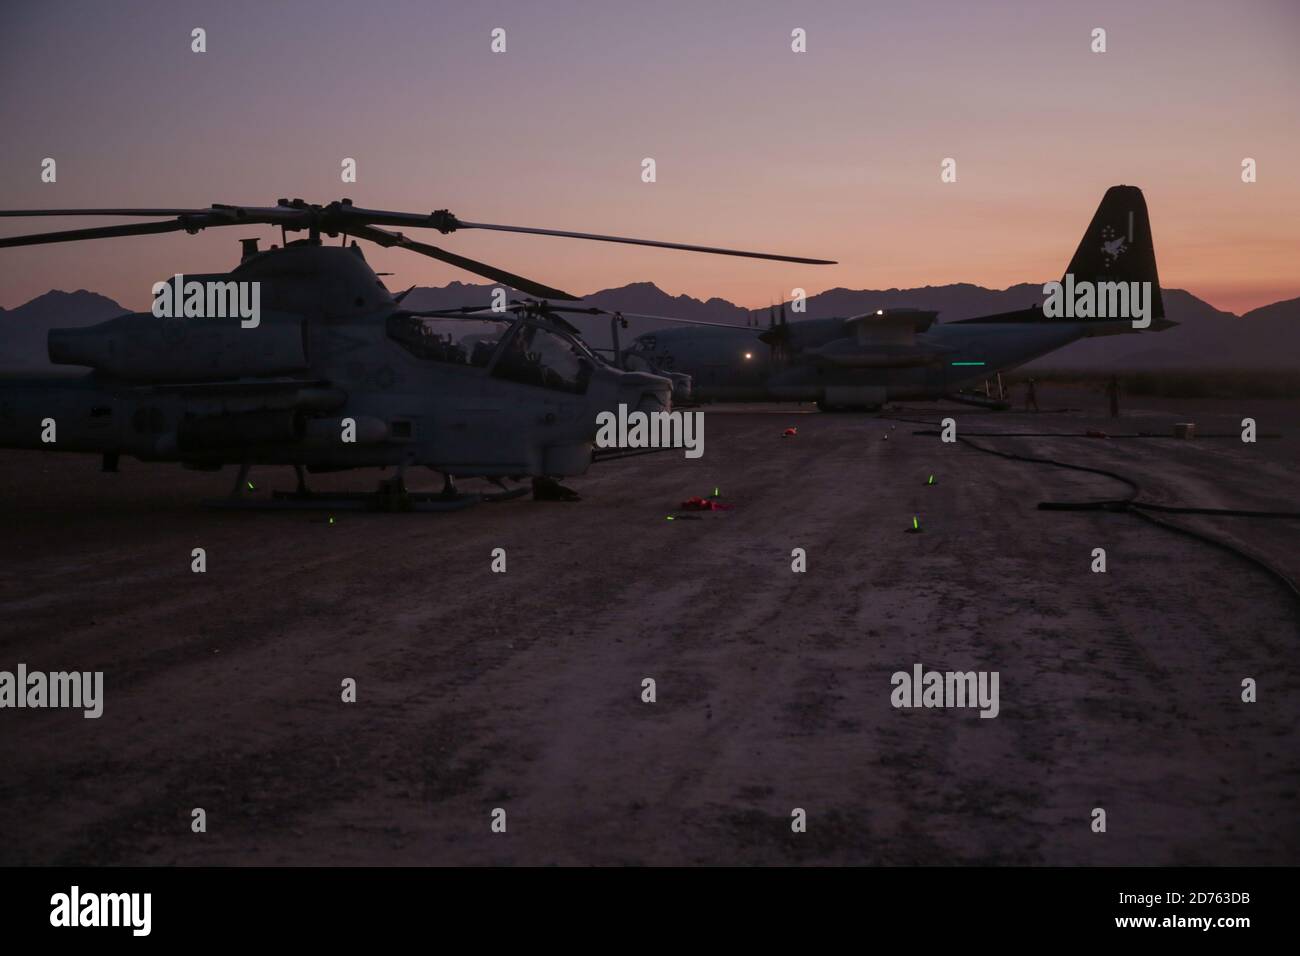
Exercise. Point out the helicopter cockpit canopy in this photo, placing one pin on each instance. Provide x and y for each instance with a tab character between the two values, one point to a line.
537	354
459	340
548	354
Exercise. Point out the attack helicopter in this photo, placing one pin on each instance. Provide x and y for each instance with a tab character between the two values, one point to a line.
327	371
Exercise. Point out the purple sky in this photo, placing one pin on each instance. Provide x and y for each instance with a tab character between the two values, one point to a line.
831	153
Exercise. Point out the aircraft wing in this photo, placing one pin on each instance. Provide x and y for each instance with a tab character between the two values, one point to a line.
889	326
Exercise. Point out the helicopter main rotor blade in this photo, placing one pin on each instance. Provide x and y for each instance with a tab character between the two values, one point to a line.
442	220
149	213
578	310
461	310
343	217
445	222
646	242
97	232
385	238
187	220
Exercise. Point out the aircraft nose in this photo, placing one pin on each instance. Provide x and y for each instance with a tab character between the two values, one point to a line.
635	391
643	392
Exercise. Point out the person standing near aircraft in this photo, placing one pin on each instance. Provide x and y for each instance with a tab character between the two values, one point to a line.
1031	395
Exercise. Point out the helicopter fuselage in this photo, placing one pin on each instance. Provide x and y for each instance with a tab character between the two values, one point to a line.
335	375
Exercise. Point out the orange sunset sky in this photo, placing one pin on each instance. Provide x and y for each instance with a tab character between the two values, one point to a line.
834	152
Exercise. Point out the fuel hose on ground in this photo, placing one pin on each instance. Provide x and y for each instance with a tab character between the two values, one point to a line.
1147	511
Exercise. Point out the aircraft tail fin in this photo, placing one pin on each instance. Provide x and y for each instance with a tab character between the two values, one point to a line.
1118	247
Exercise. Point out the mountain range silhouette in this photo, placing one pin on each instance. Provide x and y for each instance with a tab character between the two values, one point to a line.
1267	337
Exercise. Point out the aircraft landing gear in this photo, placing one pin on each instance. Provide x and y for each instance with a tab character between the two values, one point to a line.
392	495
241	481
302	490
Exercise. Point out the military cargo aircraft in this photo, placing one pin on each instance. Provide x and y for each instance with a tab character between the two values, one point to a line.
866	360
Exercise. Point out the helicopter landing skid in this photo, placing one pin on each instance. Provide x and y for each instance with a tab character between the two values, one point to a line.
386	499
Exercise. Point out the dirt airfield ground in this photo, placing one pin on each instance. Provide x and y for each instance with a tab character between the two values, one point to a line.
523	690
